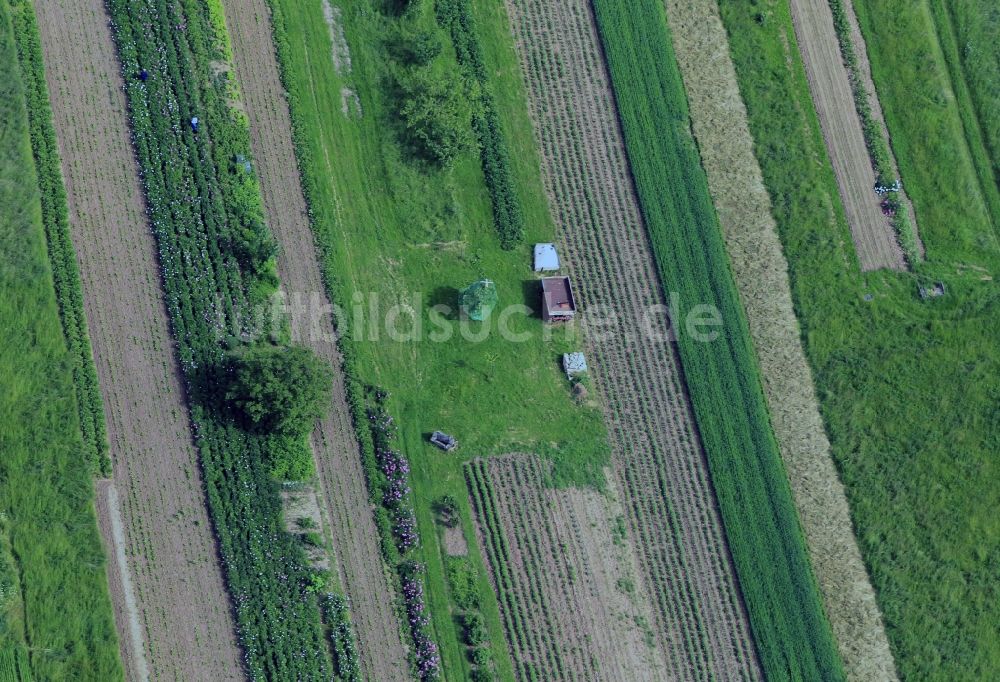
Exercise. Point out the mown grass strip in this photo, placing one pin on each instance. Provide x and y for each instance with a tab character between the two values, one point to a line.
53	586
790	629
55	218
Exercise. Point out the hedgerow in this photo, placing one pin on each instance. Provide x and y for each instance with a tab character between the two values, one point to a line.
217	261
792	635
455	17
55	218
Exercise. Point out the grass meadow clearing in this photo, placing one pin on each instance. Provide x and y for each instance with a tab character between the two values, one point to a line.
388	226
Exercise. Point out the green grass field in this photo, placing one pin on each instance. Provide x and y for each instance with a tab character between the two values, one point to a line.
908	389
969	35
46	492
388	228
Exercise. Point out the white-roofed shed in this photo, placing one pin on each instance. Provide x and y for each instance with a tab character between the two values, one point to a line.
546	258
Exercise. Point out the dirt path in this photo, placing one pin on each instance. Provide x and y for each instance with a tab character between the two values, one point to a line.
662	473
761	272
109	519
338	459
874	237
185	613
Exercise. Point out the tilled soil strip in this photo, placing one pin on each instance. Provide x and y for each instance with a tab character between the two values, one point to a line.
874	236
109	519
338	459
564	538
184	610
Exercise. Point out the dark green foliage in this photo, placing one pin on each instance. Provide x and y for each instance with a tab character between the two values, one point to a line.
446	509
279	390
462	583
217	262
473	629
416	47
907	388
790	630
55	218
341	637
435	116
479	299
455	16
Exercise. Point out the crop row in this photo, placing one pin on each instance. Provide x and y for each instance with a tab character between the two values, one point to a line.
341	636
55	218
455	16
389	483
875	140
787	620
217	261
14	665
527	649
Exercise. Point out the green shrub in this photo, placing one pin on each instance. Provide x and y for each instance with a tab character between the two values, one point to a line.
279	390
435	117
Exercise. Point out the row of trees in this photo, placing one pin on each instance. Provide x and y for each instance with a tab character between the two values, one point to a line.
455	16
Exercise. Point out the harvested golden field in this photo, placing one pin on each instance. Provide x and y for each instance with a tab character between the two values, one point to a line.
761	272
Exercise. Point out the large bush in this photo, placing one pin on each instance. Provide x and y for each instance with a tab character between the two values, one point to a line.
277	390
435	117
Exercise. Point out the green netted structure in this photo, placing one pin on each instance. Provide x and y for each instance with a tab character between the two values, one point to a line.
479	299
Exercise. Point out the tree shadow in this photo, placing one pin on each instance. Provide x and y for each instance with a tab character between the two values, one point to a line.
447	297
531	290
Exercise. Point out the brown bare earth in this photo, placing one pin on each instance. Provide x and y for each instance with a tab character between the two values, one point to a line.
359	564
874	236
721	127
185	613
584	614
661	471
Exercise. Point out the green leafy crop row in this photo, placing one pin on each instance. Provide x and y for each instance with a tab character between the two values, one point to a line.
217	261
55	217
